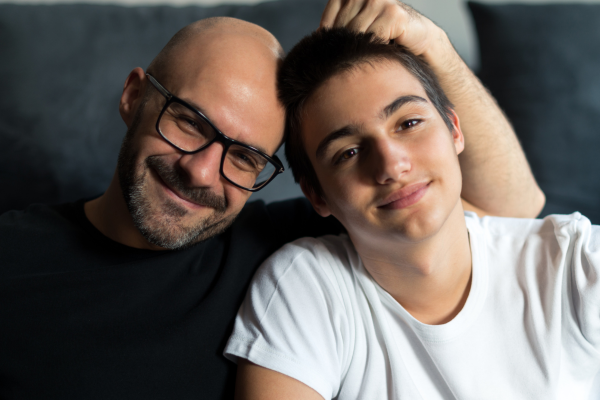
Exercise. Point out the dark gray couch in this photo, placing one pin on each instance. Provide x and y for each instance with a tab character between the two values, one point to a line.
62	68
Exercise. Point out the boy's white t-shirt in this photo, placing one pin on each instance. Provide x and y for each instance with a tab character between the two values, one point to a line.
530	328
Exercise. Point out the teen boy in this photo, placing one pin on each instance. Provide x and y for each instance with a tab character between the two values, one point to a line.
419	300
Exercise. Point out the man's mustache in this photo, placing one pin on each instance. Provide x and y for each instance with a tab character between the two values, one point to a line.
176	179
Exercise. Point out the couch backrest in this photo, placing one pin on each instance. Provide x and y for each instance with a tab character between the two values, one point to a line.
63	66
62	73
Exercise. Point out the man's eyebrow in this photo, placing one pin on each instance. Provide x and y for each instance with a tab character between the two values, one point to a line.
194	105
399	102
333	136
198	108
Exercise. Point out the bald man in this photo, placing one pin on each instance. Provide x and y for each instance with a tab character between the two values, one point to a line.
133	294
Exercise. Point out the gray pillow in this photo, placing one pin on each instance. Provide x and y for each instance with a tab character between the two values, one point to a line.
62	73
542	63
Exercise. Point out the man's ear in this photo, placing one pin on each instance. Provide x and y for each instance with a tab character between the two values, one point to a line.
132	96
318	203
457	135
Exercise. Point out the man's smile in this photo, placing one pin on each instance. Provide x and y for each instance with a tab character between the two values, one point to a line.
175	195
173	183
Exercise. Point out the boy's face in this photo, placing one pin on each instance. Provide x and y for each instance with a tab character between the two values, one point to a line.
383	155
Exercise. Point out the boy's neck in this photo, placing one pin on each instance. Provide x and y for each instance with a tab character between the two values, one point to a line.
431	279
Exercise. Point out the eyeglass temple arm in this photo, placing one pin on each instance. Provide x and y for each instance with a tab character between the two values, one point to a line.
159	87
280	167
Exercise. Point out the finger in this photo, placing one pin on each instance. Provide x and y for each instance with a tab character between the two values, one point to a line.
391	23
404	26
364	19
349	10
330	13
415	34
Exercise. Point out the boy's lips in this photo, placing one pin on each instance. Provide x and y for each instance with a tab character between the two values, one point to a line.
404	197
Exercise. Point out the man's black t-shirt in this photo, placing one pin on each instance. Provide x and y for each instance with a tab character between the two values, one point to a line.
84	317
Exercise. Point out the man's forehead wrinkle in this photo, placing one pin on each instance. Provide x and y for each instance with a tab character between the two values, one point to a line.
211	119
217	115
196	106
398	103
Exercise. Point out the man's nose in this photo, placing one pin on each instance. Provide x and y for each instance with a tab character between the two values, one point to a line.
391	161
203	168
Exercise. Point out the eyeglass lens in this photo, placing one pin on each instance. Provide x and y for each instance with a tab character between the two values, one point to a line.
187	130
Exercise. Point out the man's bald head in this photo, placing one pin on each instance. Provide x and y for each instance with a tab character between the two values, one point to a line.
216	33
234	58
226	69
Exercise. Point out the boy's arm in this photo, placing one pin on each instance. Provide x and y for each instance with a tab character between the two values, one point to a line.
258	383
497	179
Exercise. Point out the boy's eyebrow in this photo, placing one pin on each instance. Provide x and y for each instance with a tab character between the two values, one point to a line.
333	136
351	129
399	102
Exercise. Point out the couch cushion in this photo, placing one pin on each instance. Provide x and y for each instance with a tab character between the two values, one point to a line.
62	73
542	64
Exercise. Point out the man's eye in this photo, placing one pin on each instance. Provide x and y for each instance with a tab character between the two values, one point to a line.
348	154
410	123
245	161
242	157
189	123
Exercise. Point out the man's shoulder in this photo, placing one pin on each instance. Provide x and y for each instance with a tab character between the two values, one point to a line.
40	235
288	220
39	218
276	211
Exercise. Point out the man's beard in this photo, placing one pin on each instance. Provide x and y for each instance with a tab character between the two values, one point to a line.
161	224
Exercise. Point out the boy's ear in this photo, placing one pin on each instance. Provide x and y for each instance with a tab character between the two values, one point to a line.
133	93
317	201
457	135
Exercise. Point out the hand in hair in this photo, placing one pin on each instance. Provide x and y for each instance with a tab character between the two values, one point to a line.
389	19
497	179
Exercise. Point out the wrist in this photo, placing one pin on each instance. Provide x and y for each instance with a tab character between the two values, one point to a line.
440	54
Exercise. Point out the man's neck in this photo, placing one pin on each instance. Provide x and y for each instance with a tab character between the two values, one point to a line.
431	279
110	215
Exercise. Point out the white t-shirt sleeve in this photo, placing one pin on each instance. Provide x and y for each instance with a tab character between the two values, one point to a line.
292	321
584	282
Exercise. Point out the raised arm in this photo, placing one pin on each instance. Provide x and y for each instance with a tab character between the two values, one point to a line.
497	179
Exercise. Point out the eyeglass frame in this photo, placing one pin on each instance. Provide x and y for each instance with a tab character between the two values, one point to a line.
219	137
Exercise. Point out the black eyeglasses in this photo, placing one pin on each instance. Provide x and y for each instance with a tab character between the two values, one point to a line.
189	131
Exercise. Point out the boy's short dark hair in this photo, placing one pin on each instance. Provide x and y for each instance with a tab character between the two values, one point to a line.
327	53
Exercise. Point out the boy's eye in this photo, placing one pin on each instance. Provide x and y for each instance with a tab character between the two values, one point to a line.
410	123
348	154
